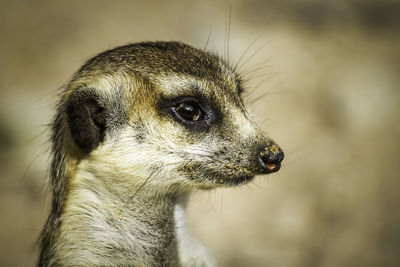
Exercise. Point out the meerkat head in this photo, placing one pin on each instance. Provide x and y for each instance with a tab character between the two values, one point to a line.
164	115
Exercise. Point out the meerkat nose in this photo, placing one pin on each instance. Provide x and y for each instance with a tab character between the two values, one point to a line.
271	158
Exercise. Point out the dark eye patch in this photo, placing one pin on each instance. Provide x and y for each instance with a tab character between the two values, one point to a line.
194	112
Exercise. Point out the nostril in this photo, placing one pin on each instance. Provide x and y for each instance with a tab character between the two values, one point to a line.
271	161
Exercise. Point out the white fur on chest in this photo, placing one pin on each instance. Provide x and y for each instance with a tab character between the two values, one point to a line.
191	252
93	221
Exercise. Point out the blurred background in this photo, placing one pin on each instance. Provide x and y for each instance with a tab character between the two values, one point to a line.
321	76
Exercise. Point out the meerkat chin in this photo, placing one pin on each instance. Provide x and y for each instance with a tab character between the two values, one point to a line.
136	130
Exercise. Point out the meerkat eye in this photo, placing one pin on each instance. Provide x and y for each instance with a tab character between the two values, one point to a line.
190	111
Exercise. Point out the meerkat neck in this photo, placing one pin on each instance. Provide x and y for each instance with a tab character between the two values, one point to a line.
116	226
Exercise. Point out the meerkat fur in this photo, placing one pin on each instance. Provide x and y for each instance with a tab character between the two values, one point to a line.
136	130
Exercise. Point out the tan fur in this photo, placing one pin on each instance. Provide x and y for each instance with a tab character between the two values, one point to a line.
122	201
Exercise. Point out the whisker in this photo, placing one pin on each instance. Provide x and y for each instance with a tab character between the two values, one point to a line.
289	163
245	52
134	194
268	93
252	55
226	27
292	159
267	75
208	38
263	122
142	185
25	175
260	83
229	32
243	74
262	62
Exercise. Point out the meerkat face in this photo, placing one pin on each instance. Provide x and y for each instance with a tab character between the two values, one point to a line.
167	115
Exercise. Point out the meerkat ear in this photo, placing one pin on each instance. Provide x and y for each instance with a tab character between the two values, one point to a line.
86	119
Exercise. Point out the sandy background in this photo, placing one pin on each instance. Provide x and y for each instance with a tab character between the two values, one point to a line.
324	81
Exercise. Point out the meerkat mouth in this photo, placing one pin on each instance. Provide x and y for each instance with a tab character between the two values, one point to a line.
240	180
229	180
272	167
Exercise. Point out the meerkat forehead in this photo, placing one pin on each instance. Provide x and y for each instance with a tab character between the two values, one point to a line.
170	64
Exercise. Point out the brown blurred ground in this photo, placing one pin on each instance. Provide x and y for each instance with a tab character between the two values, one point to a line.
333	103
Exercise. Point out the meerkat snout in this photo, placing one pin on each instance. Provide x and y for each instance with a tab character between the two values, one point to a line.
271	157
137	129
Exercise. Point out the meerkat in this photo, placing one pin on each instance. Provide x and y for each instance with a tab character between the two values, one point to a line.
137	129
